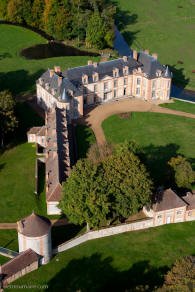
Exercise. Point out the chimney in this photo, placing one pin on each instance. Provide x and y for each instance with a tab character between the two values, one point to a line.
51	72
125	58
95	64
57	69
59	81
135	55
90	62
155	56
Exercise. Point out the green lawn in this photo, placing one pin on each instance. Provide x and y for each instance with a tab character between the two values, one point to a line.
118	262
165	29
9	239
17	73
180	106
161	136
84	138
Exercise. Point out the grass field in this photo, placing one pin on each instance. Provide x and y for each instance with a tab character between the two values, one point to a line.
17	73
9	239
118	262
161	136
165	29
180	106
84	137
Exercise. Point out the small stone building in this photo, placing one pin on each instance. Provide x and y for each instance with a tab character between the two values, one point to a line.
34	232
190	209
37	135
26	262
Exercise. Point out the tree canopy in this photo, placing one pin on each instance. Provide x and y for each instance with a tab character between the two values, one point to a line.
90	20
97	192
7	114
181	172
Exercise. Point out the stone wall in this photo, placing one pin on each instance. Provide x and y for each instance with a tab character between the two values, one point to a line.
137	225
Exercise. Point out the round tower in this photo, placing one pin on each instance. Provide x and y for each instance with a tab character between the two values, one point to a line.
34	232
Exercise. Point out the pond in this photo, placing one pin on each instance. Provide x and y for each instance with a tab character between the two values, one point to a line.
53	49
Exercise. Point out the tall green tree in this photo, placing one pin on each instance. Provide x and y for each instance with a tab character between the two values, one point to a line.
181	172
128	183
84	198
96	31
19	11
3	9
37	13
8	120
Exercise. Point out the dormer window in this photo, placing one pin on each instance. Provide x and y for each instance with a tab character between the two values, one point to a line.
47	85
95	77
139	70
158	73
85	79
125	71
116	72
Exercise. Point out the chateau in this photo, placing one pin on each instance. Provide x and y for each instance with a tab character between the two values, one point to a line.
141	76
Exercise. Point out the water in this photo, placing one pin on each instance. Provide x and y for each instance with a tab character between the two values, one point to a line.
53	49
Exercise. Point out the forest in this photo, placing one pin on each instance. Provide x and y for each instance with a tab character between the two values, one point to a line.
85	20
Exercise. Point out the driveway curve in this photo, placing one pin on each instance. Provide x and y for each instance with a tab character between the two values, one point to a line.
94	116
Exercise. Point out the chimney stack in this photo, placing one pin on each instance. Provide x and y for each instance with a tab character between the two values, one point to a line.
51	72
57	69
125	58
155	56
59	81
146	52
135	55
90	62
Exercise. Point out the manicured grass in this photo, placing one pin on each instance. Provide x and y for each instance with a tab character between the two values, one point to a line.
84	137
118	262
9	239
3	259
180	106
161	136
19	74
162	27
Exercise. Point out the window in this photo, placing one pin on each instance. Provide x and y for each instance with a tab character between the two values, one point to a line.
105	85
85	80
115	83
125	81
31	138
43	140
144	82
169	84
138	81
95	78
125	72
159	216
144	93
154	84
114	93
161	94
138	91
179	212
158	83
163	83
153	94
95	88
167	93
125	91
115	74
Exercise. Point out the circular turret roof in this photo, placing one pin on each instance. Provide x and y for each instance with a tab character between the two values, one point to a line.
34	225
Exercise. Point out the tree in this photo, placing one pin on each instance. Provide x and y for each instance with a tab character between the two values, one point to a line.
182	275
3	9
19	11
128	183
96	31
37	13
84	197
181	172
7	115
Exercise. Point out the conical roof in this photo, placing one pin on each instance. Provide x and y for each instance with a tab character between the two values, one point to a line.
34	225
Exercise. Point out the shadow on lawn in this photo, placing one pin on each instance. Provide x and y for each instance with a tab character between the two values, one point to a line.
179	76
19	81
83	136
156	159
97	274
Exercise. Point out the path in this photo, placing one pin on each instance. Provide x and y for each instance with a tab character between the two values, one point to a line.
94	116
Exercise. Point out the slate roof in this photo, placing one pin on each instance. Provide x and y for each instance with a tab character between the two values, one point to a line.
34	225
18	263
166	200
72	78
190	200
151	65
